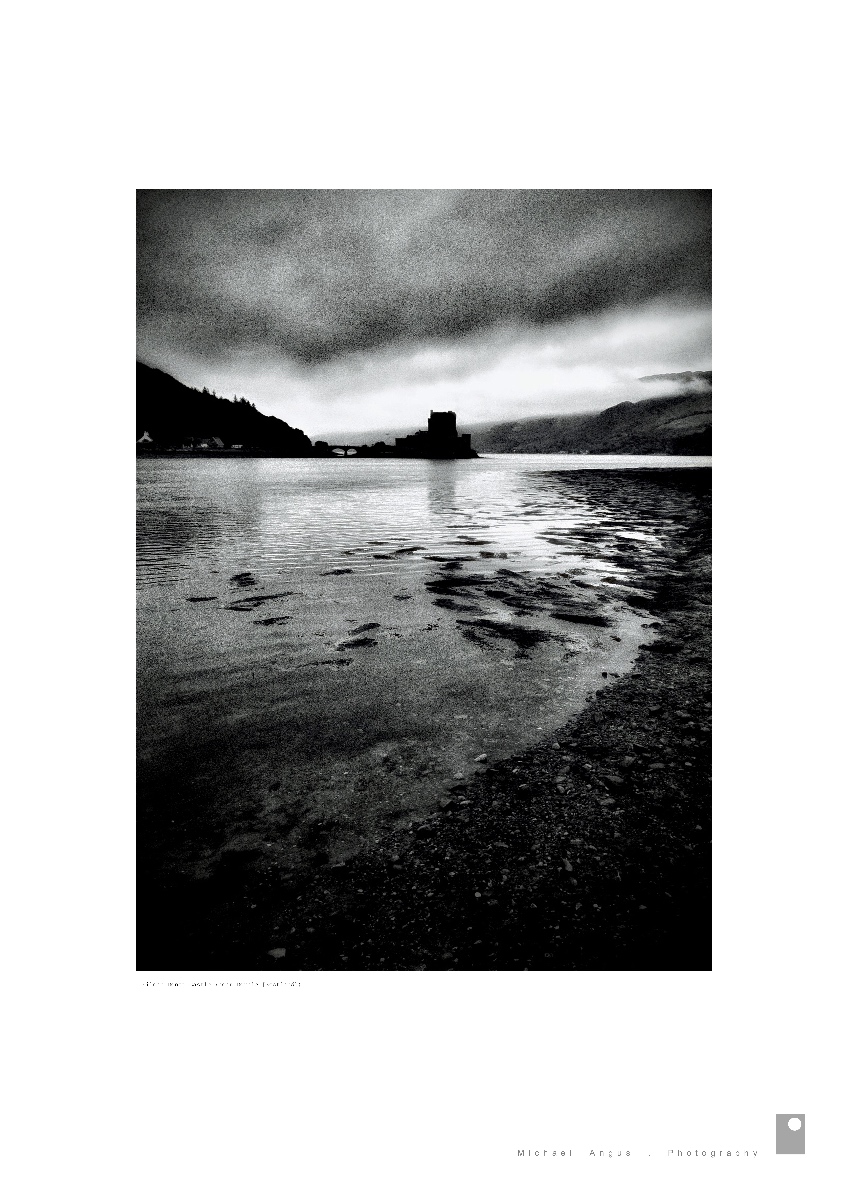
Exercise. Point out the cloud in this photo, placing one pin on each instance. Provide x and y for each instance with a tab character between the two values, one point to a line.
310	276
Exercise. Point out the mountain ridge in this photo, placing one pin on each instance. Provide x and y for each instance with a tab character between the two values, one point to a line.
680	424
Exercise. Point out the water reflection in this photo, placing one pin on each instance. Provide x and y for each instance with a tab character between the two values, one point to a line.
441	487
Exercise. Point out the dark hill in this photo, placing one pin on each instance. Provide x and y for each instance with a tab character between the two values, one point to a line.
173	414
671	425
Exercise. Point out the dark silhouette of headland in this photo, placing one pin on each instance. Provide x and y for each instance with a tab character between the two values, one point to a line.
172	418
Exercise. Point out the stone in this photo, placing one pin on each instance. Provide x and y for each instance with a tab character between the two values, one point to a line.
424	831
628	761
279	952
482	758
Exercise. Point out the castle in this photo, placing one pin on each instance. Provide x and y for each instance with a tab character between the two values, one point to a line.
438	440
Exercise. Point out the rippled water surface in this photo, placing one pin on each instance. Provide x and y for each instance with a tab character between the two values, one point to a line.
332	643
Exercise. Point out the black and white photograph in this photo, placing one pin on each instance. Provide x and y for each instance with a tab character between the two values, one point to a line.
424	593
414	784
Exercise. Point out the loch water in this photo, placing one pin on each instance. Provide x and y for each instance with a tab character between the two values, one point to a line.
336	643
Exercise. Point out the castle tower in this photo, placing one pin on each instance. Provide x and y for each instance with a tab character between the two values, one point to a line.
442	425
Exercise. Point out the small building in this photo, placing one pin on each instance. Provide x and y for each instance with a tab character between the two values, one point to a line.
202	443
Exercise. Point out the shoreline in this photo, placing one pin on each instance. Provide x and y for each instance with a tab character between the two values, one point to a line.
589	851
481	454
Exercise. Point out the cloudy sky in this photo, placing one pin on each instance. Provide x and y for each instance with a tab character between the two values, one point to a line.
362	310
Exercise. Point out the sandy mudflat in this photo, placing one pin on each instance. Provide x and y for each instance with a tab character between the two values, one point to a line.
588	850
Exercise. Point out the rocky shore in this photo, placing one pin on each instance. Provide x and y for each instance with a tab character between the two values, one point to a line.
590	851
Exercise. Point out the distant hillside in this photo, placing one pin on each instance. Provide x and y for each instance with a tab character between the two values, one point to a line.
703	379
172	414
671	425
